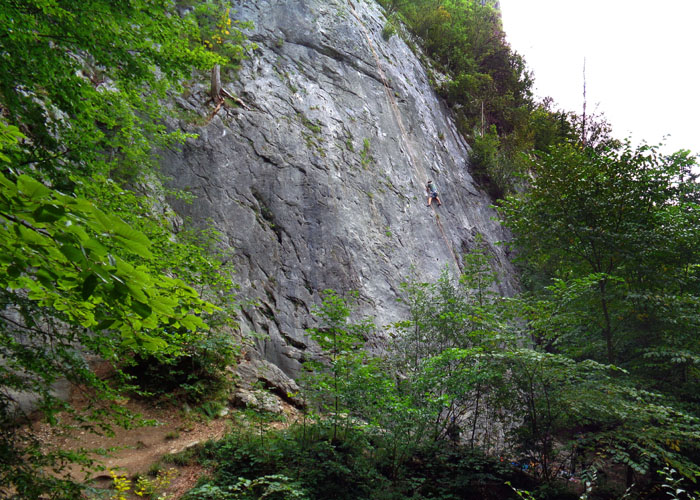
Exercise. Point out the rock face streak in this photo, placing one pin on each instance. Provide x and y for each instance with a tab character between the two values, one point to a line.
320	182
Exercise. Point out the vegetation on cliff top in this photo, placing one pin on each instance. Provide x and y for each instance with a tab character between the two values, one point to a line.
488	87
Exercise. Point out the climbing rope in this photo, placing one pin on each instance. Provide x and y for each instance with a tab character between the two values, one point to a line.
420	172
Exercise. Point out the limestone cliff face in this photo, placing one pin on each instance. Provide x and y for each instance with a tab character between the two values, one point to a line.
319	182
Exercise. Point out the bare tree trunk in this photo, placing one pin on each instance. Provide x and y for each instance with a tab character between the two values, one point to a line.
583	123
476	414
482	118
607	328
216	83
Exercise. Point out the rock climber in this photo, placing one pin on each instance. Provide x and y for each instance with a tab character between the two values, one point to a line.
432	193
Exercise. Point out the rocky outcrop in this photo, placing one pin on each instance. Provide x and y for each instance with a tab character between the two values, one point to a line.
319	181
273	385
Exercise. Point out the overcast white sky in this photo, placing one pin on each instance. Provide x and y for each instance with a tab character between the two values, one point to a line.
642	61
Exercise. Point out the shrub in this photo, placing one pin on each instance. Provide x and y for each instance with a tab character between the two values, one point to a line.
389	29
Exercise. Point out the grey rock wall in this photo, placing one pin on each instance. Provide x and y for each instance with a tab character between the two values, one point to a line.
320	182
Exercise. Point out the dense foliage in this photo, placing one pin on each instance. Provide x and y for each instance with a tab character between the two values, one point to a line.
486	78
618	228
488	87
607	237
88	270
457	384
92	271
484	81
352	466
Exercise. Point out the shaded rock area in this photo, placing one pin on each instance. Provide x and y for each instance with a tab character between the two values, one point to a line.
319	182
260	382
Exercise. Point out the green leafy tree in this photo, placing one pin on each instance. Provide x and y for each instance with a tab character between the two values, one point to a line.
340	340
362	392
605	233
67	294
596	410
442	353
222	35
81	81
462	360
625	221
81	95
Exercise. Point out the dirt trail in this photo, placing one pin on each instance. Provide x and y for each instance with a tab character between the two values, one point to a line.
134	451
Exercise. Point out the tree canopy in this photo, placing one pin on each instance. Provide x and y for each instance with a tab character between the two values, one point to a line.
81	106
617	226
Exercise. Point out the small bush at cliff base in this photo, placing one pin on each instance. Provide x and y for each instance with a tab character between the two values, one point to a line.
197	376
274	487
352	467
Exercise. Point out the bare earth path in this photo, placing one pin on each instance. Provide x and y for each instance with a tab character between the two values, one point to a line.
134	451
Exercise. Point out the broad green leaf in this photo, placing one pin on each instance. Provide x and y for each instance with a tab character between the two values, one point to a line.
135	247
31	187
104	324
142	309
89	286
48	213
73	254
